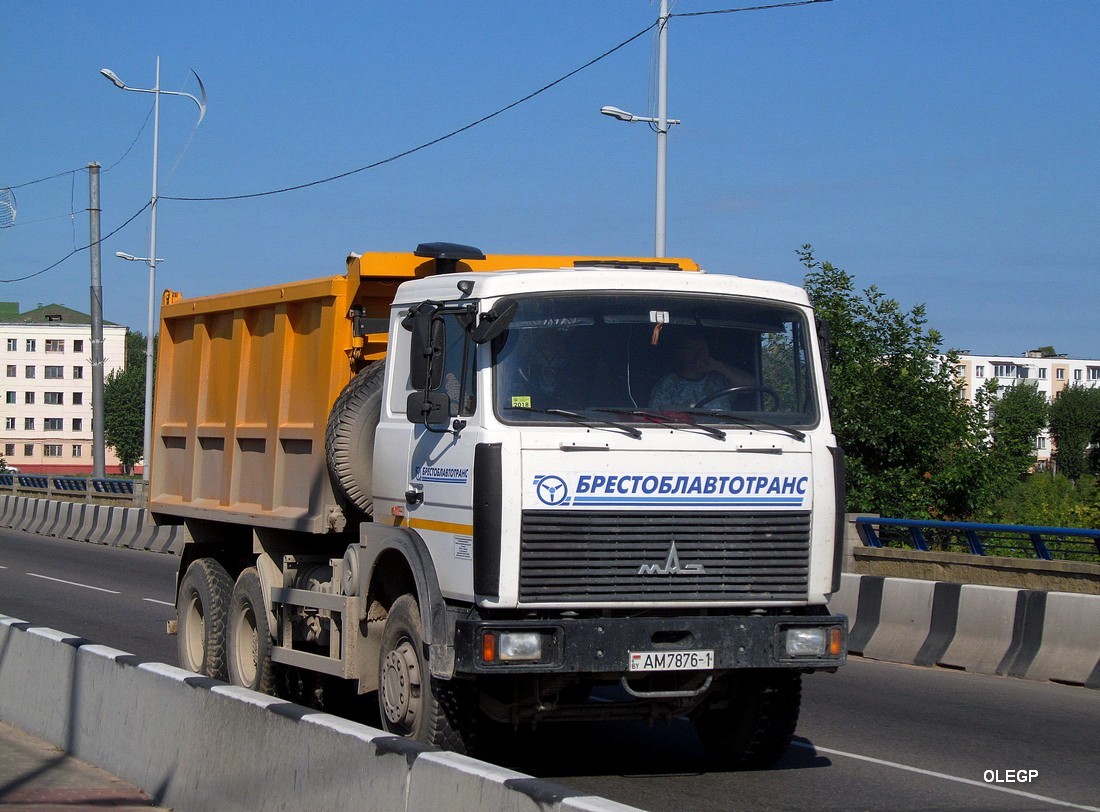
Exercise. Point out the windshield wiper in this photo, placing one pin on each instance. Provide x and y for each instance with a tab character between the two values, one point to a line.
665	420
749	422
590	422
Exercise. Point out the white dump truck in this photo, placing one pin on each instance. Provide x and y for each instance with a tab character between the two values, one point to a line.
507	490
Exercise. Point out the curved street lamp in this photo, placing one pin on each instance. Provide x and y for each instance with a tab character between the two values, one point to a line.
201	103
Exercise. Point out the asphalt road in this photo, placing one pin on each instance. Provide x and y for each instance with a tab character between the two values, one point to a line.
114	596
875	736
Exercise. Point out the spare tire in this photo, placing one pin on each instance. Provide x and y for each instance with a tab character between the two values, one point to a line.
349	437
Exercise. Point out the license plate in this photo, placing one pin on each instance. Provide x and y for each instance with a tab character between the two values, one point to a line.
698	660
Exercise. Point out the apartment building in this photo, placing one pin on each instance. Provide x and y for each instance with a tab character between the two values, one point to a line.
46	364
1050	373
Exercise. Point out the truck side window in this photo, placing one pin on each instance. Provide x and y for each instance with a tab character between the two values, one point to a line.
459	358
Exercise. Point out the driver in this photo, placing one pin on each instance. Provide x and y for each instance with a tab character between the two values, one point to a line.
696	376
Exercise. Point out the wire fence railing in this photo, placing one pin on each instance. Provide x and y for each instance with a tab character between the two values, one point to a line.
1014	541
69	488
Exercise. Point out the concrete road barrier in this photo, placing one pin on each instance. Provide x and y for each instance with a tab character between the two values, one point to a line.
904	620
24	513
984	629
1069	647
106	525
59	517
197	744
130	521
74	519
89	524
47	517
162	539
113	525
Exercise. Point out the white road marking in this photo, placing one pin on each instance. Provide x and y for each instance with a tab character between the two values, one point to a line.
154	600
945	776
73	583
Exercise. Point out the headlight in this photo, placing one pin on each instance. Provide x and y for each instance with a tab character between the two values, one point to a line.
805	642
519	646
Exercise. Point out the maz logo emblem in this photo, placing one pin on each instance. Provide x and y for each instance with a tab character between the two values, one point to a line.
672	566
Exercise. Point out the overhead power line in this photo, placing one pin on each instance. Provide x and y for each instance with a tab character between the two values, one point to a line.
43	180
483	119
748	8
76	251
426	144
84	168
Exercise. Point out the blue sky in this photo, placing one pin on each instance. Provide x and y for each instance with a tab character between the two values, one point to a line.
947	151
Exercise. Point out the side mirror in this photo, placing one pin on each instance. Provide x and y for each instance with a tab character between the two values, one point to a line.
428	348
428	407
495	321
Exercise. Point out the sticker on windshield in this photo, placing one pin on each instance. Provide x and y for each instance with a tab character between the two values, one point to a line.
521	401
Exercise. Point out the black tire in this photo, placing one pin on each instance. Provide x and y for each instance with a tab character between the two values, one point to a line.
349	437
201	609
755	729
248	635
411	703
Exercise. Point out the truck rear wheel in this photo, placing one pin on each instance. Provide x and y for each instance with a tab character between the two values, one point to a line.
755	729
349	437
201	609
249	635
412	703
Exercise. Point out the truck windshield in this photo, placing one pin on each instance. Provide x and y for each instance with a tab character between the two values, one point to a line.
653	360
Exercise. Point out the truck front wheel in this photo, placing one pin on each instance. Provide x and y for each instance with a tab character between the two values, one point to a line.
412	703
249	635
752	727
201	608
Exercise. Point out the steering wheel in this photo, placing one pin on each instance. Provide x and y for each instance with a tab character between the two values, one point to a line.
733	390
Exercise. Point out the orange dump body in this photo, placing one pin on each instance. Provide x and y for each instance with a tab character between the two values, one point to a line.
246	380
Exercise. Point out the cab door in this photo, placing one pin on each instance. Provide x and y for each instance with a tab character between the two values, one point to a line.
440	465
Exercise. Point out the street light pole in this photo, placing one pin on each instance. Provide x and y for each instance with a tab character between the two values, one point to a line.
662	123
662	126
157	93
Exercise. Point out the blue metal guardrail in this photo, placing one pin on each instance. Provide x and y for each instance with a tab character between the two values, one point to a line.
1047	543
68	483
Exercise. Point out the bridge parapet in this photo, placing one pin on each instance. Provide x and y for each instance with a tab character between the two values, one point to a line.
900	557
115	491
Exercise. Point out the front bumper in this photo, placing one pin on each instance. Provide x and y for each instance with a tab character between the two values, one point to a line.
603	645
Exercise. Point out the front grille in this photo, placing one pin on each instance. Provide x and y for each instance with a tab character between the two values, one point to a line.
592	556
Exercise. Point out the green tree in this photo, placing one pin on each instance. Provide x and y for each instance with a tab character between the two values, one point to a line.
1074	424
915	446
124	414
1019	414
1050	500
135	349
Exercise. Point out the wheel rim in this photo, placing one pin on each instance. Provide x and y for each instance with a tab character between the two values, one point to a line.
401	687
245	645
194	633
